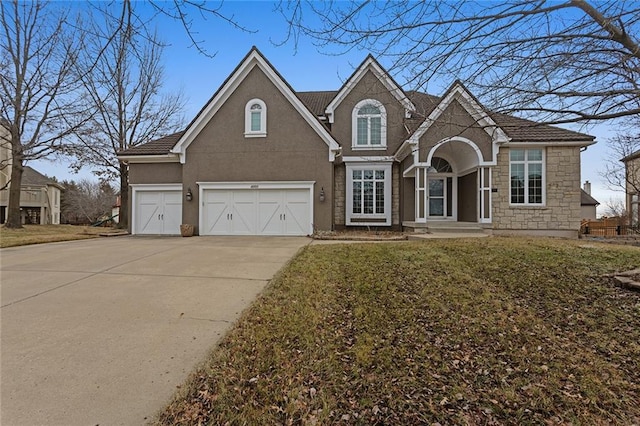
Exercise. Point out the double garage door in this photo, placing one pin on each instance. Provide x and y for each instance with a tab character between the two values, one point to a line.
256	211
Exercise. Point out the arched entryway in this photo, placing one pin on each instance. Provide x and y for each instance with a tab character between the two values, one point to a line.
453	183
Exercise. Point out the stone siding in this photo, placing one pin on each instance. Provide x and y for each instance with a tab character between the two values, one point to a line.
340	193
395	194
561	213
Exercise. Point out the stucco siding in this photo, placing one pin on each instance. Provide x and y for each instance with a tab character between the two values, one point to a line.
455	121
291	151
369	87
588	212
158	173
560	215
468	198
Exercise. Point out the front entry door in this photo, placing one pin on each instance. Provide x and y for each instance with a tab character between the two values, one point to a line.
437	197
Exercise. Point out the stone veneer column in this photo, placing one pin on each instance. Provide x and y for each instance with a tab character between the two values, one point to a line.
395	194
339	191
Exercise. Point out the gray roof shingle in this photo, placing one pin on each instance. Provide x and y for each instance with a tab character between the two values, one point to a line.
154	147
32	177
587	200
518	129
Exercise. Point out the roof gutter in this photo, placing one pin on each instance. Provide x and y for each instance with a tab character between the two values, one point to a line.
149	158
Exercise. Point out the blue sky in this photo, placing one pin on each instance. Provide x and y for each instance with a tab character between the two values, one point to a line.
304	67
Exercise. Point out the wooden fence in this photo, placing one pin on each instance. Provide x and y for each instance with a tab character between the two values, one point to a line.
608	227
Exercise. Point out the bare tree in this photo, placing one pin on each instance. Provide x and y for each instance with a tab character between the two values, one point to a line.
622	167
616	208
555	61
124	88
621	170
38	52
86	201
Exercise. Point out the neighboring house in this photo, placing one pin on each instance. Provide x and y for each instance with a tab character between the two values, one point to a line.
39	198
39	195
632	176
262	159
588	204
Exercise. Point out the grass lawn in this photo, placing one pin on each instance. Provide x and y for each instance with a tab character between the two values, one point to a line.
482	331
36	234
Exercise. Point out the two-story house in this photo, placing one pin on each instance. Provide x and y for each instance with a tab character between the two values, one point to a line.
39	195
263	159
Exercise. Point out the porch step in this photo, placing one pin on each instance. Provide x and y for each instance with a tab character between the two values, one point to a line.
445	228
454	227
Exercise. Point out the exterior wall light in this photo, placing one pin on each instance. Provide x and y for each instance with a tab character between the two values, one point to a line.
322	194
189	195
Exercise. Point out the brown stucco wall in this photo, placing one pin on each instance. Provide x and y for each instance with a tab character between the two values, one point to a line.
560	216
455	121
158	173
408	199
468	198
291	151
369	87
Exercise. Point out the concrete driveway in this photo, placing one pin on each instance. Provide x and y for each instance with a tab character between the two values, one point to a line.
103	331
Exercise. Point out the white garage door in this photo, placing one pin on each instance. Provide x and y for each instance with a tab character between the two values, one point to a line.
256	212
157	212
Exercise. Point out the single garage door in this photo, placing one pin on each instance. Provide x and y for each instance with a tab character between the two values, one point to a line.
256	212
157	212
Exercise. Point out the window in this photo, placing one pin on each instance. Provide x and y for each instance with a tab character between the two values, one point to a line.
368	194
369	125
255	119
527	176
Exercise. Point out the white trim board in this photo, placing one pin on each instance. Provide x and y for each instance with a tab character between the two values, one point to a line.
141	187
252	60
369	64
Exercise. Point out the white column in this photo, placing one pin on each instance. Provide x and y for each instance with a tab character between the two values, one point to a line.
484	181
421	194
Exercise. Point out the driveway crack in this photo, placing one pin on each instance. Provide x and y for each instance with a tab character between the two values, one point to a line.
206	319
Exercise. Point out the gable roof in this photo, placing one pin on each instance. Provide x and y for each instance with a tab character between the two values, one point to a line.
369	64
32	177
252	60
317	105
587	200
457	92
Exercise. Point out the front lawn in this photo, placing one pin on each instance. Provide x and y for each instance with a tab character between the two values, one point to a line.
37	234
482	331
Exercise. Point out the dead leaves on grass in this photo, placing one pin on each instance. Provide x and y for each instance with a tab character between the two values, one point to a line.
487	332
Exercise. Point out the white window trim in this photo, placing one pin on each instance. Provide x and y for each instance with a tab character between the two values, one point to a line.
387	195
526	178
248	133
354	126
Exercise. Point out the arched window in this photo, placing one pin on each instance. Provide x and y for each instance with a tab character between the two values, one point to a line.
255	119
369	125
441	165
